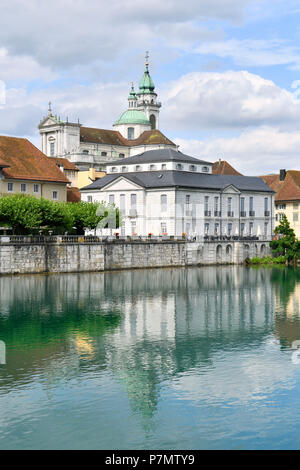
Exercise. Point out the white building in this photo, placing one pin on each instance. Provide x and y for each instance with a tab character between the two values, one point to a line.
166	192
136	130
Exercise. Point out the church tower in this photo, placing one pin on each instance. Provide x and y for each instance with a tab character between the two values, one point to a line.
147	98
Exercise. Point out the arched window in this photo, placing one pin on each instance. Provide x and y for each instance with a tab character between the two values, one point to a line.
193	168
130	133
85	152
121	155
103	154
113	169
124	169
205	169
152	167
138	168
153	121
179	166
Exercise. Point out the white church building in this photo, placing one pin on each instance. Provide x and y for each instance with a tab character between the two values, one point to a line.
135	131
165	192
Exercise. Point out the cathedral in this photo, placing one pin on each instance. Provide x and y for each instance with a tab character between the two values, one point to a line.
134	132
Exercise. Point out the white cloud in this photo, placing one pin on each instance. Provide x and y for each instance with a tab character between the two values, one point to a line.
254	52
254	152
226	100
69	33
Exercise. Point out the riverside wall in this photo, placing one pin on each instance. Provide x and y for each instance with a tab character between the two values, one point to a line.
17	257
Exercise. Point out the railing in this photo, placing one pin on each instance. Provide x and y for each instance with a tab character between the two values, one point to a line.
230	214
217	213
207	213
251	213
267	213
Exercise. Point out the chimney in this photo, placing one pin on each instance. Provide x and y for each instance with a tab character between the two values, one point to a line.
282	175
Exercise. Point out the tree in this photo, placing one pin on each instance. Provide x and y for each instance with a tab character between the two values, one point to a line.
286	243
89	216
56	217
20	212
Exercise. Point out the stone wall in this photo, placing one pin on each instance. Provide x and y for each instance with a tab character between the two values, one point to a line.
83	257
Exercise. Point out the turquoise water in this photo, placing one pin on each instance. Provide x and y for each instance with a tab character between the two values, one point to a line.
153	359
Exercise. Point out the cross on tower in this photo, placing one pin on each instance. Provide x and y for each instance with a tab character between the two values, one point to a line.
49	110
147	57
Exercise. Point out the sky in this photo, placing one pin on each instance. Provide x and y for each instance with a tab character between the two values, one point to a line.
226	71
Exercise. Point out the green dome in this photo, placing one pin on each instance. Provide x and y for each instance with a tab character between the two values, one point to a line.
146	84
133	116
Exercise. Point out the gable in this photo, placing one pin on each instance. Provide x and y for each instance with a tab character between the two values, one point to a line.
230	189
121	184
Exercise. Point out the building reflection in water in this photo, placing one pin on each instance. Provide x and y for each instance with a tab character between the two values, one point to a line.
144	327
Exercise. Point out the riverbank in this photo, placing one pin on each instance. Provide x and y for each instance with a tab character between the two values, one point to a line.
22	255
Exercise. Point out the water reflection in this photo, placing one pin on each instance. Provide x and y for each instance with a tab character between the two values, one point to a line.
195	331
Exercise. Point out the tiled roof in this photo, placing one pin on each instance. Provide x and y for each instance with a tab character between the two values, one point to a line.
224	168
286	190
158	155
27	162
106	136
65	163
73	194
163	179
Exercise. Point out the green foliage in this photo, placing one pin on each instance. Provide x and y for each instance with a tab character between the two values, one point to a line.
267	260
287	244
27	215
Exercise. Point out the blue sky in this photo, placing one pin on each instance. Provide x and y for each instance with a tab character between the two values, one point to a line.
227	71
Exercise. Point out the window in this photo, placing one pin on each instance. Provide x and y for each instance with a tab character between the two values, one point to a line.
206	228
36	188
153	121
187	201
133	201
52	149
192	168
103	154
216	229
123	231
251	204
206	200
163	202
179	166
251	225
229	229
113	169
54	195
124	169
152	167
23	187
242	204
187	228
242	228
281	216
10	187
111	199
121	155
295	216
163	227
216	206
164	166
295	205
133	227
266	204
122	202
266	229
130	133
281	206
138	168
229	204
90	199
205	169
85	152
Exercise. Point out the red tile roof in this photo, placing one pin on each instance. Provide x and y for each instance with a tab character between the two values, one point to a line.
73	194
106	136
224	168
286	190
27	162
64	162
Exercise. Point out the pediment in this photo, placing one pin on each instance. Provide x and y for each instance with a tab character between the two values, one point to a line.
48	121
121	184
231	189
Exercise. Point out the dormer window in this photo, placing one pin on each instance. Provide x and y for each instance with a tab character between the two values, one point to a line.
124	169
138	168
205	169
113	169
193	168
163	166
85	152
179	166
152	167
103	154
121	155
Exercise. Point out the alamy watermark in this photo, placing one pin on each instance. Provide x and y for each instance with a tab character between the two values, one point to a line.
2	353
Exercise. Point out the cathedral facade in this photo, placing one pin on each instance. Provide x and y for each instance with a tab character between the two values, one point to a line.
136	131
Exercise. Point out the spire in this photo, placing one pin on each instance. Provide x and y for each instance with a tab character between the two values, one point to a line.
132	97
146	84
49	109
